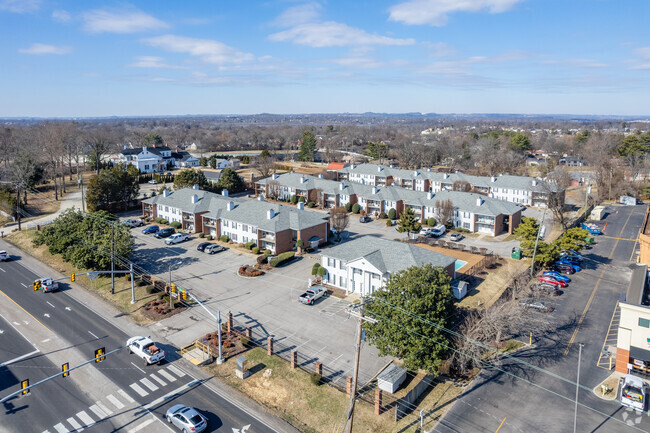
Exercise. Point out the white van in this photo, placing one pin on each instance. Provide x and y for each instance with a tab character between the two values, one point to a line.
438	230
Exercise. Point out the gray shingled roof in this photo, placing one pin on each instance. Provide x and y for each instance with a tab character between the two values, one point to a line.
386	255
137	150
252	212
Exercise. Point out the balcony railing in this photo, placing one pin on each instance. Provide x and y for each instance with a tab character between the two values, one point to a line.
267	236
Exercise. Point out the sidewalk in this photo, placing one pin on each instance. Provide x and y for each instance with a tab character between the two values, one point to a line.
121	321
71	200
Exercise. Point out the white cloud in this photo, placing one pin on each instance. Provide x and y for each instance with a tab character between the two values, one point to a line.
643	61
39	49
439	49
576	62
333	34
120	21
61	16
208	50
153	62
20	6
300	14
434	12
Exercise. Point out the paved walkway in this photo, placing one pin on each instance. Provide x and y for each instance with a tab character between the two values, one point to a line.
72	199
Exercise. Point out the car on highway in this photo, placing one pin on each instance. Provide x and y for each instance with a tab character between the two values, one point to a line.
186	419
153	182
213	248
151	230
4	256
536	305
146	349
553	281
164	233
557	276
564	268
456	237
177	238
575	266
47	285
365	219
133	223
311	294
202	245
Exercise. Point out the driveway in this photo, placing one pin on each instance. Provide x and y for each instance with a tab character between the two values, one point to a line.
268	304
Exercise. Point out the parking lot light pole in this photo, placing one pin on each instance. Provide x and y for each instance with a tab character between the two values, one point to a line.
575	414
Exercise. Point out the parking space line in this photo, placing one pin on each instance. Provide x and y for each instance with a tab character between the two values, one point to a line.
75	425
85	418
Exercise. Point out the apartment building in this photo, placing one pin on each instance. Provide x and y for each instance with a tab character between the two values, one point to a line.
271	226
363	265
633	341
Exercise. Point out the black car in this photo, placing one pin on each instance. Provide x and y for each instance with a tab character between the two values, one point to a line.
165	233
365	219
202	245
564	268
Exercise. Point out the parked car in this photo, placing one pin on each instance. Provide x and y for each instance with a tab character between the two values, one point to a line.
548	288
47	285
133	223
553	281
177	238
575	266
186	419
164	233
364	219
557	276
536	305
312	294
456	237
564	268
146	349
153	182
570	258
583	245
202	245
213	248
151	230
425	232
438	230
4	256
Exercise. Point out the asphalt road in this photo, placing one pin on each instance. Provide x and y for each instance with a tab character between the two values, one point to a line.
540	397
140	394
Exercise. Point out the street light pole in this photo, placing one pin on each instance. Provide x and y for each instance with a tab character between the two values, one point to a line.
575	414
112	258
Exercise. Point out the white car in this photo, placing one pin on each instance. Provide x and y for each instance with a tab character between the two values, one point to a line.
177	238
4	256
146	349
133	223
438	230
153	181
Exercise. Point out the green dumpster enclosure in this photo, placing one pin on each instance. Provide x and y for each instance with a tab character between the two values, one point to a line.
516	253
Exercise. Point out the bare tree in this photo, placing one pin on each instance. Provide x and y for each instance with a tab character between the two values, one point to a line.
461	185
339	219
444	211
316	195
99	142
273	189
265	164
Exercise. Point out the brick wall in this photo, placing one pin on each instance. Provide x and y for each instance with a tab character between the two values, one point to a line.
622	359
319	230
283	241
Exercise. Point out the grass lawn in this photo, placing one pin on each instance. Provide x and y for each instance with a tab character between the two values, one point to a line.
494	282
291	395
102	285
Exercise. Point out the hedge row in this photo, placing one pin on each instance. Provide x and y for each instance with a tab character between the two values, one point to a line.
281	259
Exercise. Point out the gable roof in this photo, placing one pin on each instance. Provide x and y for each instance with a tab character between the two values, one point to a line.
386	255
138	150
335	166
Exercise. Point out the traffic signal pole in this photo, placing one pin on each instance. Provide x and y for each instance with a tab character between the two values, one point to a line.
218	319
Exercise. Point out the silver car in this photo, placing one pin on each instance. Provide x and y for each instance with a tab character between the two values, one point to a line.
213	248
186	418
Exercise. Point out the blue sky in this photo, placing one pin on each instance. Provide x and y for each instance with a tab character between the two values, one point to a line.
72	58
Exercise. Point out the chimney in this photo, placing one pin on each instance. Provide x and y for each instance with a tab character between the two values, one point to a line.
534	182
415	173
429	196
341	186
445	176
429	169
493	178
320	175
354	166
195	187
224	193
301	205
303	179
274	175
195	198
479	201
375	190
261	197
166	193
392	166
270	214
230	206
379	168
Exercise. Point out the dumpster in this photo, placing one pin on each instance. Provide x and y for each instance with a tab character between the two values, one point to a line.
516	253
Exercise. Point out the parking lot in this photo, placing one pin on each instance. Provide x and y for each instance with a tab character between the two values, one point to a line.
269	304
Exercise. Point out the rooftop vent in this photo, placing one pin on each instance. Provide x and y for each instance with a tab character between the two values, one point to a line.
224	193
195	187
479	201
195	199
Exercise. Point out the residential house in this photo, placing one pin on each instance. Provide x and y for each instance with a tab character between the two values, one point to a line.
363	265
184	159
146	159
572	161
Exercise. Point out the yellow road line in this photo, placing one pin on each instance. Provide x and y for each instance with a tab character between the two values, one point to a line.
621	239
504	420
19	306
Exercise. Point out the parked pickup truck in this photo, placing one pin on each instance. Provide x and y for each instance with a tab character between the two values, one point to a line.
146	349
312	294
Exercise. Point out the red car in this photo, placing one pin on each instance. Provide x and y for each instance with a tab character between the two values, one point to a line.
553	281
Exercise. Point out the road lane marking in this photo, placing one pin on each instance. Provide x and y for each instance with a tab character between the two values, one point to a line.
500	425
100	413
96	337
46	431
138	368
114	401
126	396
142	425
104	408
157	379
50	304
137	388
85	418
75	425
7	296
2	270
166	375
61	428
45	341
178	372
25	286
11	361
178	390
149	384
620	239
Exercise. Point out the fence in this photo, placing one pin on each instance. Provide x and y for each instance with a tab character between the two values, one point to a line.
478	267
405	405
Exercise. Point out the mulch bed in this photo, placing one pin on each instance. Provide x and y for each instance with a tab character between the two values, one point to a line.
158	309
230	342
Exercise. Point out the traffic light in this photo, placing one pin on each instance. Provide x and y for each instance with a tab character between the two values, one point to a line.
64	368
36	284
173	288
184	295
73	277
24	385
100	354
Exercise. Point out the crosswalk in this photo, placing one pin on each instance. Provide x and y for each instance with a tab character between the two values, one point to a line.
118	401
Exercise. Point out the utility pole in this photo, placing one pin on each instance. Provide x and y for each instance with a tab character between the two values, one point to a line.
132	284
575	415
18	205
113	259
541	224
83	199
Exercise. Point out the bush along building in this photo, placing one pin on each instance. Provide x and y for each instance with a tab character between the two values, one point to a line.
523	190
271	226
472	211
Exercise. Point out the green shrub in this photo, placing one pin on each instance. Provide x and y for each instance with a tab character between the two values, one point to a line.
383	215
256	250
141	283
301	199
314	269
267	252
159	220
431	222
294	199
224	238
281	259
356	208
249	245
201	235
175	224
161	295
392	214
462	230
209	237
300	243
262	259
311	204
150	289
322	271
348	206
389	223
315	379
163	221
